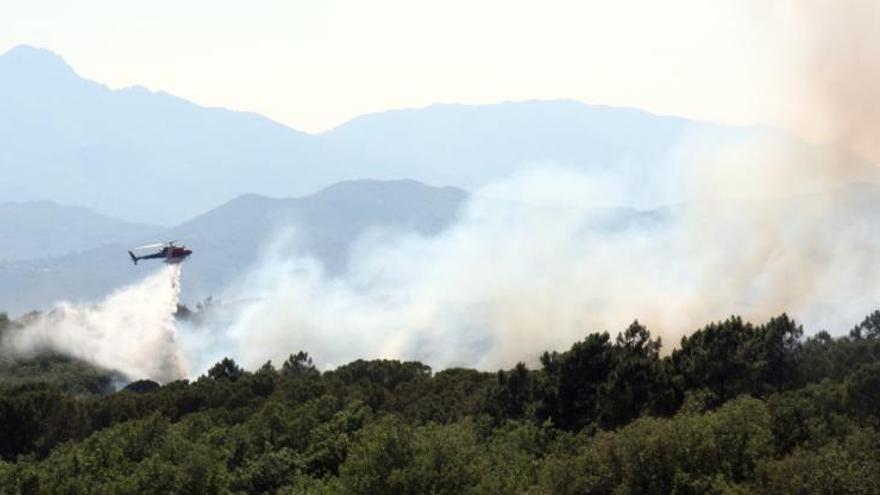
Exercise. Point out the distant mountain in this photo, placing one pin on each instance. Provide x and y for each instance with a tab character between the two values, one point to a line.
152	157
33	230
229	239
138	154
469	145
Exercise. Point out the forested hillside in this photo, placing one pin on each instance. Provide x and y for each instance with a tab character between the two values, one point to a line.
734	408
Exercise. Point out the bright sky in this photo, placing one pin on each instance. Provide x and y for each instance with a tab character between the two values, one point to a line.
314	64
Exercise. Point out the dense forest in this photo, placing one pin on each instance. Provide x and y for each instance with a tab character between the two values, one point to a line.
734	408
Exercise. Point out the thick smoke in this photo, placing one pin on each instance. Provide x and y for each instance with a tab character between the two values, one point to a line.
765	226
841	72
131	331
513	278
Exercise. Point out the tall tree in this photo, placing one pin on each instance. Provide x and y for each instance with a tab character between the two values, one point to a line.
225	369
573	379
775	349
637	380
299	364
714	357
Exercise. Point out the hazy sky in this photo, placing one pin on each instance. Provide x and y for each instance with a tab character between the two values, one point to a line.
313	65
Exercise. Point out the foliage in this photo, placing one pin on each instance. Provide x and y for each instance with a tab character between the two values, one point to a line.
225	370
735	408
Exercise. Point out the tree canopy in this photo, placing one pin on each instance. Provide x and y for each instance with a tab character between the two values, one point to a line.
734	408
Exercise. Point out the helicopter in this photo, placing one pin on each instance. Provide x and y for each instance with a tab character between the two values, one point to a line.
171	253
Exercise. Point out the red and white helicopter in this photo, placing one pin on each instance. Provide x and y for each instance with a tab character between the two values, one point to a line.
171	253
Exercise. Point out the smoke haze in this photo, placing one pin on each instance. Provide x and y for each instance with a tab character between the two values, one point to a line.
512	279
767	229
540	259
843	72
824	68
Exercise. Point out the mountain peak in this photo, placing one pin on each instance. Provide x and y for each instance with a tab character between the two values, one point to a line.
29	61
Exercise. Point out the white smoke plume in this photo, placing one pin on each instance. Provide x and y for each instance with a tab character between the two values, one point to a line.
537	271
131	331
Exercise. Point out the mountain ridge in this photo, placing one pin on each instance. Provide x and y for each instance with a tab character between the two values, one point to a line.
232	237
157	158
43	229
